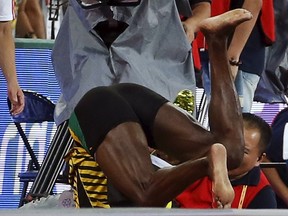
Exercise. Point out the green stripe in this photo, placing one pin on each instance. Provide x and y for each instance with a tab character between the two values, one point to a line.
75	127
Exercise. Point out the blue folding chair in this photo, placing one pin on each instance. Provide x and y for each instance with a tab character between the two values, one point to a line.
39	109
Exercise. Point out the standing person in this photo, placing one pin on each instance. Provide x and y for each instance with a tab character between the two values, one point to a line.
248	59
251	187
30	20
247	45
7	56
276	64
117	132
278	176
273	85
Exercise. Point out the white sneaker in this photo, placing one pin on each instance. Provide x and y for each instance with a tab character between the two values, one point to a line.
66	199
63	200
50	201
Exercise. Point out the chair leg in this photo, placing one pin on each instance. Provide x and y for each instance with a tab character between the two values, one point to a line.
23	194
53	163
25	185
28	146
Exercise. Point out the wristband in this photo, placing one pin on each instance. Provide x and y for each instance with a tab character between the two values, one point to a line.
234	62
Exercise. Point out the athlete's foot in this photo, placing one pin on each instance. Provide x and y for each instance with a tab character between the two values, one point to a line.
224	24
222	189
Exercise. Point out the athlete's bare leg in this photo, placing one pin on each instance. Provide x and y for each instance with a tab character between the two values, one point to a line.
185	139
124	158
124	155
128	167
225	116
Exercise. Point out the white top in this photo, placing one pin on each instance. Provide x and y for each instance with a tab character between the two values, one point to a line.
7	10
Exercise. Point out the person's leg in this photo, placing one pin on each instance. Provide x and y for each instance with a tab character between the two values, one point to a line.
124	157
36	18
184	139
239	87
23	25
123	153
250	82
129	169
206	73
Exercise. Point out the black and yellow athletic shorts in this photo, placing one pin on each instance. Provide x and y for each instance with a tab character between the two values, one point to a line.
103	108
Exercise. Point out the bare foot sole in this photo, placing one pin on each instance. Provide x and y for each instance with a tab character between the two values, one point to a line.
222	189
225	23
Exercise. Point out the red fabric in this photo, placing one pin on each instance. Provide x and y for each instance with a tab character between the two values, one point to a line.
217	7
200	40
251	192
199	194
268	21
